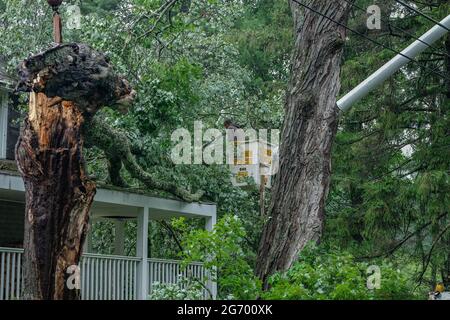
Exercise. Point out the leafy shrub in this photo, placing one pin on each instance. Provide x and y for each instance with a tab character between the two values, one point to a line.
184	289
221	252
335	275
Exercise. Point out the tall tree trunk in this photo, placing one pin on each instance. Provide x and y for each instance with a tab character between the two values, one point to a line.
68	84
58	196
296	212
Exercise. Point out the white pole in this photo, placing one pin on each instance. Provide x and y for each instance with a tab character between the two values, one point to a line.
393	65
142	248
209	226
119	237
3	123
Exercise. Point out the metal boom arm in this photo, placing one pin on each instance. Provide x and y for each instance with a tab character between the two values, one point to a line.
382	74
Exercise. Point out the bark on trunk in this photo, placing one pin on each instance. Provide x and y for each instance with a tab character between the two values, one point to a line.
68	84
58	196
296	212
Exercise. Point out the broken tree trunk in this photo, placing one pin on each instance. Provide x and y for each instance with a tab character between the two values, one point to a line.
296	212
68	85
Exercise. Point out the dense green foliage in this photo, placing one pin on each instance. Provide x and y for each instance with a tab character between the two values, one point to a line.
210	60
223	254
391	157
321	274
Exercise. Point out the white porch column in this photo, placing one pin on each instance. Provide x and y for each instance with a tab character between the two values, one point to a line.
119	237
142	252
210	223
3	123
87	247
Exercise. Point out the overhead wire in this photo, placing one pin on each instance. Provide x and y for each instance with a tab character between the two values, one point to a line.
353	4
422	14
371	39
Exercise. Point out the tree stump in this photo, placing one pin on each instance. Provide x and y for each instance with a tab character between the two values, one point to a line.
68	84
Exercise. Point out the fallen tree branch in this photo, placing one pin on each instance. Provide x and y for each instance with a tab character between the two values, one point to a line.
118	149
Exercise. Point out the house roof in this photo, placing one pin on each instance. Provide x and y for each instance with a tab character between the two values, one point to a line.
111	200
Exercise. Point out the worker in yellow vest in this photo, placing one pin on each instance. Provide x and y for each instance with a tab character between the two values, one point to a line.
439	292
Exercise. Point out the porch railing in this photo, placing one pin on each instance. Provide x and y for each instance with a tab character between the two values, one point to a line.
10	273
103	277
108	277
171	271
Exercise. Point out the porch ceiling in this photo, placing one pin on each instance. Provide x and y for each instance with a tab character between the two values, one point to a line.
110	203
